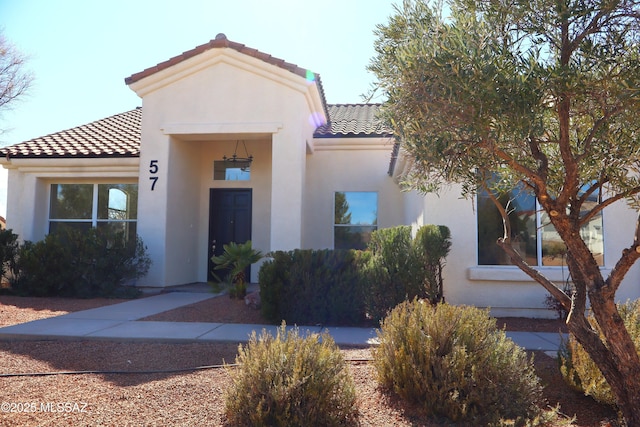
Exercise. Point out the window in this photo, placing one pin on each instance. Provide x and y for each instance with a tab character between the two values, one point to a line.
105	206
231	171
532	233
355	218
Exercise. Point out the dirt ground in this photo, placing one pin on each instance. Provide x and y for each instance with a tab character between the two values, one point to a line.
182	395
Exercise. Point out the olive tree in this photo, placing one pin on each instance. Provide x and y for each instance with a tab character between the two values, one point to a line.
541	94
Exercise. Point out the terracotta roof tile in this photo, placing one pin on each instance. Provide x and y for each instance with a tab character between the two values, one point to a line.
352	120
221	41
115	136
119	135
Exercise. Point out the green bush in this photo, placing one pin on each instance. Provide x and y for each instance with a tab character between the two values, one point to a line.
44	269
392	272
580	372
313	287
352	287
236	260
453	362
79	263
402	268
8	253
432	245
290	381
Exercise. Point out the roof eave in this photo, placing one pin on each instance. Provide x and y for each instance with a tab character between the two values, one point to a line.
353	135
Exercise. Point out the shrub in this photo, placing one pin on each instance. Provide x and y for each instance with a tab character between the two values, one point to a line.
8	253
313	287
454	362
273	276
580	372
44	269
402	268
236	259
79	263
392	271
351	287
290	381
432	245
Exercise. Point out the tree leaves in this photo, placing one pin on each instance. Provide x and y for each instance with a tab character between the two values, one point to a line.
482	87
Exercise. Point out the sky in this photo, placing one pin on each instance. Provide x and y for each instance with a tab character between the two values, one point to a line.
80	51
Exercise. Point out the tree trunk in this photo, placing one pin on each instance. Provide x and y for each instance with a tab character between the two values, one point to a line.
619	363
616	357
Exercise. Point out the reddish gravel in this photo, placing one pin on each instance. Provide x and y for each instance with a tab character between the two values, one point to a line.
190	397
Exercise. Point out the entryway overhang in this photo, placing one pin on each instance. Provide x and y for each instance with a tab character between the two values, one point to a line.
221	131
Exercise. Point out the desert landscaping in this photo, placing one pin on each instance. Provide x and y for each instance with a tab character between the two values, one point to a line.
123	388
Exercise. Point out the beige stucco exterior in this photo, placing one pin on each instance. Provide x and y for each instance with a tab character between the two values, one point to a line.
506	289
29	181
195	112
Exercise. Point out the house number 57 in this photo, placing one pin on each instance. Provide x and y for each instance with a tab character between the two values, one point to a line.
153	170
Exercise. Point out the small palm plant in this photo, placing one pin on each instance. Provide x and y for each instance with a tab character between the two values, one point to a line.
236	258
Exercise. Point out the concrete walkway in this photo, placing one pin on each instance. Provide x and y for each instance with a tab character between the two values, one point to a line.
121	322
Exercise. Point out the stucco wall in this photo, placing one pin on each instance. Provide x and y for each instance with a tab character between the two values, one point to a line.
188	112
29	182
505	289
337	165
260	183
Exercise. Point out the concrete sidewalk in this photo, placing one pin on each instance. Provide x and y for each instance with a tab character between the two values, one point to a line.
120	322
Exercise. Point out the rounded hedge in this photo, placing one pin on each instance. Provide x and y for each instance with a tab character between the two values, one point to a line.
453	362
291	381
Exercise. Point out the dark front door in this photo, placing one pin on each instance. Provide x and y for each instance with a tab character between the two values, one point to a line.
229	221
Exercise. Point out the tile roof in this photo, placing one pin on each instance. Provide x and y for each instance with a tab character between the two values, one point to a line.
115	136
351	120
219	42
119	135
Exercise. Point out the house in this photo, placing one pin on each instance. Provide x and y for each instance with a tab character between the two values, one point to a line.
232	144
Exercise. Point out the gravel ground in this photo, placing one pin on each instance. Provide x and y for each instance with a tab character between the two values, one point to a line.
178	398
14	310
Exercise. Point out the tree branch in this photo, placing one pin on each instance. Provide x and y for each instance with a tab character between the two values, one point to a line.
586	148
629	256
543	160
517	259
609	201
505	243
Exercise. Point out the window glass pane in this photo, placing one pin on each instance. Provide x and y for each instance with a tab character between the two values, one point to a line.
117	201
592	235
356	208
592	232
126	229
231	171
355	218
71	201
554	250
352	237
521	207
55	226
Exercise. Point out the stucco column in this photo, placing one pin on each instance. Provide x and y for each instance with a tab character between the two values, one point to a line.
287	184
152	203
26	195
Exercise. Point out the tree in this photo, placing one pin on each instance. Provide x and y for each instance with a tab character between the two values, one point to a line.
540	93
14	79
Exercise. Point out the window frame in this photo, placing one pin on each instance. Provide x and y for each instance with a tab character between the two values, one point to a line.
373	227
94	221
539	213
244	174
